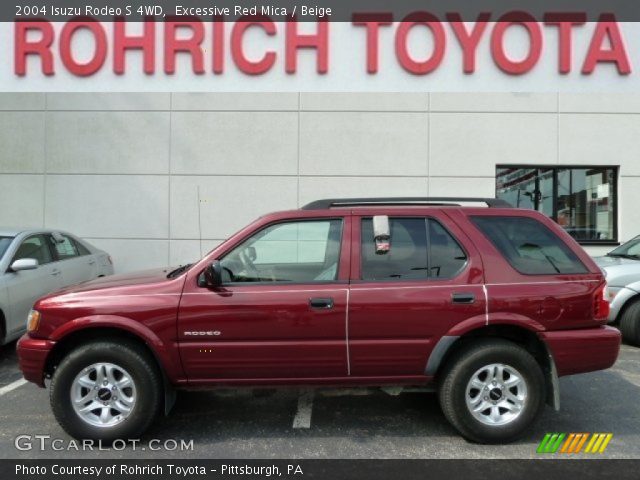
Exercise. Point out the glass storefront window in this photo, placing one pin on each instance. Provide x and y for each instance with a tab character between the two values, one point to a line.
580	199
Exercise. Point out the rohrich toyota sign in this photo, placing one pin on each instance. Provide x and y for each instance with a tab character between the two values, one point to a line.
372	52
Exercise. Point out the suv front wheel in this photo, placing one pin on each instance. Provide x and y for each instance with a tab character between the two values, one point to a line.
106	390
492	390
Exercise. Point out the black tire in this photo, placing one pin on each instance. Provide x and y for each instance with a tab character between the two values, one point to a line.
630	324
461	368
3	328
143	371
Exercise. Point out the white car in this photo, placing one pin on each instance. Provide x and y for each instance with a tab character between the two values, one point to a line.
622	269
34	263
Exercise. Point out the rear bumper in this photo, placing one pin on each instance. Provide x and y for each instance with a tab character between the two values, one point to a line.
580	351
32	357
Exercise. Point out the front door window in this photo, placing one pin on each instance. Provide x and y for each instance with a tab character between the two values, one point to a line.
291	252
34	247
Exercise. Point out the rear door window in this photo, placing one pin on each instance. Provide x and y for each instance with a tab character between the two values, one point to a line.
421	249
529	246
66	249
446	257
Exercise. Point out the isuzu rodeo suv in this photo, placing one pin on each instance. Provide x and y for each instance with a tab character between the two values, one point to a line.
488	305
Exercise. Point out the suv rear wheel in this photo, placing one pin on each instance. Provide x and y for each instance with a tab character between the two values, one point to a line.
492	391
630	324
106	391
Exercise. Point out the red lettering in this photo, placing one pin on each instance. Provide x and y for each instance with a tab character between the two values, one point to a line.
607	27
41	47
218	45
402	51
99	54
295	41
468	40
145	42
528	22
190	45
251	67
565	23
372	22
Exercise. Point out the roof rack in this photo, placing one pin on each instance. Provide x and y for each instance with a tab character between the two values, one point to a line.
401	201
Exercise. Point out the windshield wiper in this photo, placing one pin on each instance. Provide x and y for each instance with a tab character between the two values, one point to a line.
179	270
547	257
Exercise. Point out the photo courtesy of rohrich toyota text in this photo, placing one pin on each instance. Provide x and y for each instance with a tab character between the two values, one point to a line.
354	239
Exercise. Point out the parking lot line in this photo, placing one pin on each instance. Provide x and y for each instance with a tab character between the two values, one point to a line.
305	407
12	386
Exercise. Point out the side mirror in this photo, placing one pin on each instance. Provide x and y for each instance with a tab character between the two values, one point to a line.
381	234
24	264
213	275
251	253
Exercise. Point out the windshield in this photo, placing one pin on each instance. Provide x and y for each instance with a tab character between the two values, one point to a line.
4	244
629	249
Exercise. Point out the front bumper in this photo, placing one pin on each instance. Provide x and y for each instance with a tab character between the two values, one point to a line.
32	357
585	350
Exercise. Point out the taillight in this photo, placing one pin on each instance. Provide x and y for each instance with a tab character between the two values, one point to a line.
110	260
601	307
33	321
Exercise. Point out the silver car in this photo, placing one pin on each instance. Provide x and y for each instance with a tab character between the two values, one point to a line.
622	268
34	263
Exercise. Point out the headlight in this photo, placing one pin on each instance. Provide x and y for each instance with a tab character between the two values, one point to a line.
33	321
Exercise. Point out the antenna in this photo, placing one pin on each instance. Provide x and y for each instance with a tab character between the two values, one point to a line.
200	220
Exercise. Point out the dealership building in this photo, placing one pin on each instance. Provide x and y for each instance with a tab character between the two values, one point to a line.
161	176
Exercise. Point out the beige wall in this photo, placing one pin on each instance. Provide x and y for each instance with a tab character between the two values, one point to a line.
123	170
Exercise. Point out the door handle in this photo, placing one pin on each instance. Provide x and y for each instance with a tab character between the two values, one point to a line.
463	298
323	303
55	272
92	262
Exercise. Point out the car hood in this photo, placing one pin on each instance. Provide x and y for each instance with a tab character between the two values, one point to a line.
615	261
121	282
620	271
147	297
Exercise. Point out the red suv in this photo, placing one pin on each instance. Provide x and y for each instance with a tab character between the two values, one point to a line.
486	305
